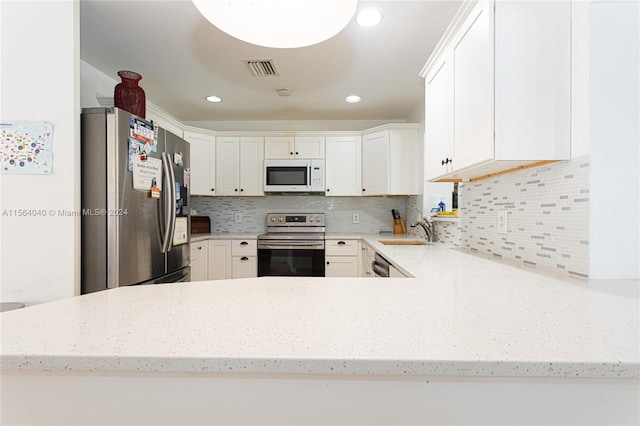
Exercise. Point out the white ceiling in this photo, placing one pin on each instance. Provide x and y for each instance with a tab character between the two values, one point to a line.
183	59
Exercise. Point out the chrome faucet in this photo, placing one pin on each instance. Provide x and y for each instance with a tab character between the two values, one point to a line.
427	225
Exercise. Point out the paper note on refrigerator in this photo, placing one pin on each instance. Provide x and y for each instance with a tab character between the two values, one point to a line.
146	173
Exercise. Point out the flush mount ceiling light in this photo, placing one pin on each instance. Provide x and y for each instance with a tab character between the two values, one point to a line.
284	92
279	23
352	99
214	99
368	18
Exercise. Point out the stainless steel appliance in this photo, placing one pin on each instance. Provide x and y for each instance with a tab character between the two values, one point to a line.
381	266
294	175
135	202
292	246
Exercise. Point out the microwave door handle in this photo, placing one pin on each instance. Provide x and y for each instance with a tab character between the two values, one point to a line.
309	176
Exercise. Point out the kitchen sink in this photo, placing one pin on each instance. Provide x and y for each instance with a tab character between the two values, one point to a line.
403	243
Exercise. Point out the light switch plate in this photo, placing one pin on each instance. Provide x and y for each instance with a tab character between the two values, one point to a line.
502	221
355	218
237	218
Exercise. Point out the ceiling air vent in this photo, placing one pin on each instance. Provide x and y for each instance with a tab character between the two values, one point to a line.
261	67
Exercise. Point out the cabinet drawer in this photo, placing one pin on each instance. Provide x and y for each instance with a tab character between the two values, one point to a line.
244	247
341	247
244	267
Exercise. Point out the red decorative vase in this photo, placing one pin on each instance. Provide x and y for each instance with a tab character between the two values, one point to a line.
128	95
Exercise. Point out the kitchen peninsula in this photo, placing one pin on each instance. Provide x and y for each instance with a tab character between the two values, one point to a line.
510	344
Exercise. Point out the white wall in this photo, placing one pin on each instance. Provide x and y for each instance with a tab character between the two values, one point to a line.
615	139
40	82
94	84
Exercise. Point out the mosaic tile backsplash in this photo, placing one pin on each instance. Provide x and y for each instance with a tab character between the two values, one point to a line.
547	216
375	212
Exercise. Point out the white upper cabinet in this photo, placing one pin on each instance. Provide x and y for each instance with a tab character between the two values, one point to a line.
239	166
439	117
203	161
391	161
498	89
343	168
304	147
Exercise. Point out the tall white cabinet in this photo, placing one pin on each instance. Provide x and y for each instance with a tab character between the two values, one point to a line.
203	161
391	160
343	166
498	89
239	166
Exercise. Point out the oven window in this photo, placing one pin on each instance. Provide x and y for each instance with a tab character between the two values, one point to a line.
290	262
286	175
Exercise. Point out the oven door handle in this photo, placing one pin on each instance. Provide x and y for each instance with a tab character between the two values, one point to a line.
291	245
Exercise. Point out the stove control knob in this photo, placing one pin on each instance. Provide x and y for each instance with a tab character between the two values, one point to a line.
311	219
273	218
280	219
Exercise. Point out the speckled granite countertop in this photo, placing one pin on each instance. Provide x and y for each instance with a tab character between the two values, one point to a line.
462	316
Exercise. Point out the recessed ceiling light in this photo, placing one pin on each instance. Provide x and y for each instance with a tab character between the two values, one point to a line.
214	99
368	17
352	99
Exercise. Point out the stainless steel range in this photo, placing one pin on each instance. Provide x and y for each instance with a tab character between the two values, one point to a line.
292	246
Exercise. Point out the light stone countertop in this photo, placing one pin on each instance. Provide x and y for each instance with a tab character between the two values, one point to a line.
195	238
462	316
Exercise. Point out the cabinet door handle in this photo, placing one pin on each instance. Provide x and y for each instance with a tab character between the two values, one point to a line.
341	243
236	189
363	189
291	153
328	190
241	189
296	152
212	189
243	258
199	248
327	263
244	243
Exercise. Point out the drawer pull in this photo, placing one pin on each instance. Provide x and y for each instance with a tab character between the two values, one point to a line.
244	258
341	243
244	243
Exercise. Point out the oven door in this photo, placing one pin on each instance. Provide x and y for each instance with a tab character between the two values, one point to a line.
284	258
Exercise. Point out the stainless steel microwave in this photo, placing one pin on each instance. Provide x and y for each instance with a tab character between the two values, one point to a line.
294	175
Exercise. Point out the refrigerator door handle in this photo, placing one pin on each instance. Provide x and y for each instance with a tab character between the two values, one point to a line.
167	203
174	200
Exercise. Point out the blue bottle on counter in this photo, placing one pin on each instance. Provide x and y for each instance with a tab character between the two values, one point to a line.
441	205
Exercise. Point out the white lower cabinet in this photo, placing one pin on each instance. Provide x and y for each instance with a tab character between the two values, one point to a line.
219	259
244	258
199	261
368	255
233	259
342	258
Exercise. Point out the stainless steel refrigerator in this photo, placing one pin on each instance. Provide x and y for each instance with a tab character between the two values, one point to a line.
135	202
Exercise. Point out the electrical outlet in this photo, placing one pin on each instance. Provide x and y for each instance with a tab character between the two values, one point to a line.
237	218
355	218
502	221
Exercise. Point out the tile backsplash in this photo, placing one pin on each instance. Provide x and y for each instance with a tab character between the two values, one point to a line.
375	212
547	216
